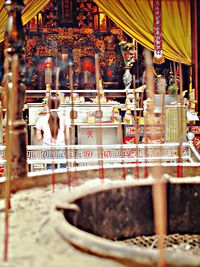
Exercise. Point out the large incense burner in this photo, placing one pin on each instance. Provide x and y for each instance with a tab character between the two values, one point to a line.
96	218
103	220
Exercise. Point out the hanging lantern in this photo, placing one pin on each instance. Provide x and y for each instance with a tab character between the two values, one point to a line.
36	23
40	19
100	21
33	24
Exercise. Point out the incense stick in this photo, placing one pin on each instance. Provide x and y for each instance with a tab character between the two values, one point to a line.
159	188
180	121
99	131
181	78
53	149
9	127
144	132
136	128
122	150
53	153
72	134
71	77
57	78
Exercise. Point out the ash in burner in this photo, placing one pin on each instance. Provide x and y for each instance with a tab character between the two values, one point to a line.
176	242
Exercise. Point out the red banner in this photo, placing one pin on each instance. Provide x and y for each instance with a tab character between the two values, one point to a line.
157	20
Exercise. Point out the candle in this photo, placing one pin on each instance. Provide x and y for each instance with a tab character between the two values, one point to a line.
48	70
64	57
64	61
48	75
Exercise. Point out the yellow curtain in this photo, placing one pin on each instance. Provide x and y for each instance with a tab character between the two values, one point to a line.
32	7
135	17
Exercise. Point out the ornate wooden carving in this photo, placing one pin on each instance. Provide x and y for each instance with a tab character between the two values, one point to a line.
75	36
14	85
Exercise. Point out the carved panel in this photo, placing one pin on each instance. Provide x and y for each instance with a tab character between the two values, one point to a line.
59	34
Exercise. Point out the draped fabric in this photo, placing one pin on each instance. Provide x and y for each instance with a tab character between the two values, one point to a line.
135	17
32	7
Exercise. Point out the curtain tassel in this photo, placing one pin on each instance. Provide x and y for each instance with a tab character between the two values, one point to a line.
158	59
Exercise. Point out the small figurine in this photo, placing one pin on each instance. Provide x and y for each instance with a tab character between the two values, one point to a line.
74	97
173	85
100	97
116	118
148	106
90	117
62	98
128	118
130	98
81	99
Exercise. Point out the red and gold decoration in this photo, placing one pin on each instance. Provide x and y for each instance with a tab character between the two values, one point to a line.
157	20
147	134
196	131
100	21
79	40
129	53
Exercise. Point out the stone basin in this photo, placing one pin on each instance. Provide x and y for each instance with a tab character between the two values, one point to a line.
95	218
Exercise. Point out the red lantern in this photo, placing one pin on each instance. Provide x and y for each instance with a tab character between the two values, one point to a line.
101	21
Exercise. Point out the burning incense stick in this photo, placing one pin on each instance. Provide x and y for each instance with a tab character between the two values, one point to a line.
97	72
57	78
70	77
10	109
159	188
120	131
137	130
72	134
53	150
134	105
99	131
180	123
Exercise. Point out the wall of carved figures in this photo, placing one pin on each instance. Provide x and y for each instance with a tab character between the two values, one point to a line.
66	28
